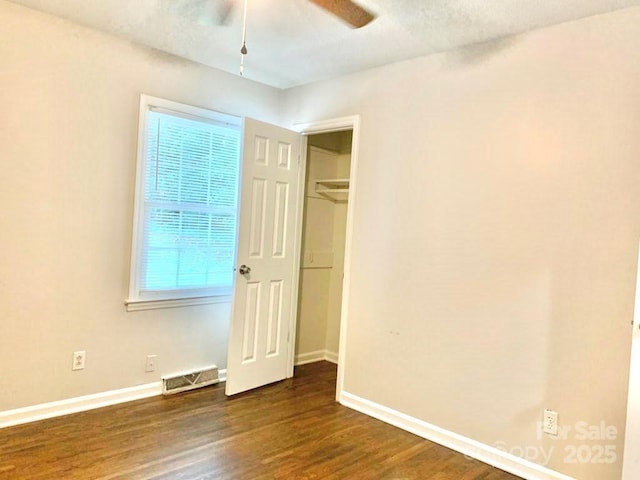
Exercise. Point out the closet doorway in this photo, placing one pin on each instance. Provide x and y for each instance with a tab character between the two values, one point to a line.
322	252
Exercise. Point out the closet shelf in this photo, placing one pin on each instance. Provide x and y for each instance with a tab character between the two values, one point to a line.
335	188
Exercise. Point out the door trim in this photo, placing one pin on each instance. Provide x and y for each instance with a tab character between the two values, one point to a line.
325	126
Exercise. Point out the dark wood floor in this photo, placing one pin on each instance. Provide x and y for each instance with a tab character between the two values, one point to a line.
291	430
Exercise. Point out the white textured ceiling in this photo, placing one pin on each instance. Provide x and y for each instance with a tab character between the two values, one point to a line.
293	42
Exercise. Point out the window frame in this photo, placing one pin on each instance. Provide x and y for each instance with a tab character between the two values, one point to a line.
179	297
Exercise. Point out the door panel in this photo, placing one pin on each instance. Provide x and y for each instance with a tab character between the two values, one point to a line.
275	318
281	215
251	322
256	218
284	155
262	303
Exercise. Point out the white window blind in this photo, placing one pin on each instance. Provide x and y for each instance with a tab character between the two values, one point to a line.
187	239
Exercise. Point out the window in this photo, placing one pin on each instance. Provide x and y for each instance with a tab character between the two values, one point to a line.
186	205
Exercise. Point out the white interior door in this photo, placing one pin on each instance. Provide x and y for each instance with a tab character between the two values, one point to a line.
265	274
631	462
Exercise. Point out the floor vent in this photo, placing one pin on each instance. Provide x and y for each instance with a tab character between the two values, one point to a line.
188	381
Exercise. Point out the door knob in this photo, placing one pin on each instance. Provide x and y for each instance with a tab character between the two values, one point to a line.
244	270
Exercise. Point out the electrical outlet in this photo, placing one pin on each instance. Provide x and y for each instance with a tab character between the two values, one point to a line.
550	422
151	363
78	360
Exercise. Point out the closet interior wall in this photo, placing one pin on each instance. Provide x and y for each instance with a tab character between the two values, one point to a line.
322	262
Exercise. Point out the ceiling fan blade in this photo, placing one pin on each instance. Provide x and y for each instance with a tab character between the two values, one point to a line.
347	11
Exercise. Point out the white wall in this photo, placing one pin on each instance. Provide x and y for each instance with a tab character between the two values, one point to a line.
496	227
68	121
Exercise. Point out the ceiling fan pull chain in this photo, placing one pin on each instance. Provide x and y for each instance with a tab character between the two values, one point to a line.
243	50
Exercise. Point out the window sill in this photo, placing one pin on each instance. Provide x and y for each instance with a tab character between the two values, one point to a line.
138	305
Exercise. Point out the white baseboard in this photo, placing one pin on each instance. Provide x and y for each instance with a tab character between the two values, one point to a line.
331	356
317	356
42	411
471	448
78	404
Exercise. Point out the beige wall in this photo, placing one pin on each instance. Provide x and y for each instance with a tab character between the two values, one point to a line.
497	218
68	129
